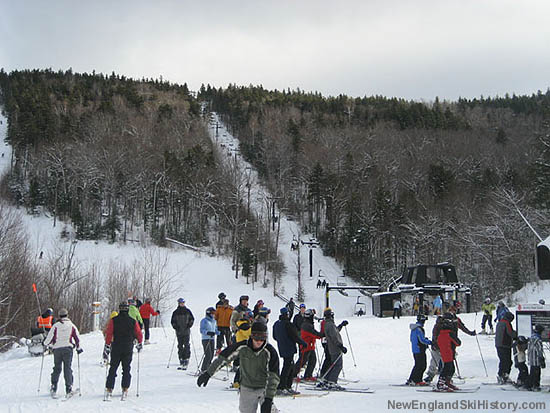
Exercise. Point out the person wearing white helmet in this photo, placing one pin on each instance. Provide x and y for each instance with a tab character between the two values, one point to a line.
488	307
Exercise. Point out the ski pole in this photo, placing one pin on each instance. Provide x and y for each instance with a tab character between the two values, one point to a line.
171	351
481	355
79	383
194	349
302	353
321	361
331	366
106	375
350	347
137	390
457	369
41	367
162	325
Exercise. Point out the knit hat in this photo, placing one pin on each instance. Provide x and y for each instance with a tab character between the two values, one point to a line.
258	331
284	311
123	307
63	312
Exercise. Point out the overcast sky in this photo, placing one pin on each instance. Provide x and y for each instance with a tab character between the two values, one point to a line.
415	49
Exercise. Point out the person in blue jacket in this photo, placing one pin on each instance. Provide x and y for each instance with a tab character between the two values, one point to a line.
286	335
209	330
501	310
419	344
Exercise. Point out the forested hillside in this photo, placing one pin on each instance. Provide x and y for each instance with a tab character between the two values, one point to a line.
385	182
382	182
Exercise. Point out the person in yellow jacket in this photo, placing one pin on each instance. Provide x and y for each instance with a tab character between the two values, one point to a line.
242	334
133	312
488	307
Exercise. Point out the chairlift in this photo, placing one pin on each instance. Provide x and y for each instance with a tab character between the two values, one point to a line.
344	293
360	308
341	281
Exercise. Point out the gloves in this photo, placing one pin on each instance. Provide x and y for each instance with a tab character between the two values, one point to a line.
79	350
158	312
344	350
202	380
344	323
139	347
266	405
106	351
211	333
474	333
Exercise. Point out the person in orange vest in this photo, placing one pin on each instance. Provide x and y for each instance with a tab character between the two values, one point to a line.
46	320
146	311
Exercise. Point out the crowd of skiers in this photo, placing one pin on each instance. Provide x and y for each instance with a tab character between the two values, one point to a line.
445	340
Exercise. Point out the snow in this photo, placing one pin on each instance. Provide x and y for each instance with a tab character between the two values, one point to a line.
380	347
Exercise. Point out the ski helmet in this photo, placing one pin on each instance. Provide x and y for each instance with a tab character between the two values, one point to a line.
243	298
309	313
123	307
131	301
421	318
302	305
542	302
180	300
264	311
284	311
328	313
487	300
210	311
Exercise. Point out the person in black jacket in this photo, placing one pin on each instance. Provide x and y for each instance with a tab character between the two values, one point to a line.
504	336
182	321
286	335
299	318
119	342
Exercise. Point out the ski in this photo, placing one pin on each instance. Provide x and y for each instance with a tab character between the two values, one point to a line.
225	378
348	380
293	396
410	385
463	390
182	368
366	390
498	384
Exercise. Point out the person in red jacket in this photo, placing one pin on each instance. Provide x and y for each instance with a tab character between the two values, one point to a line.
146	311
447	342
307	354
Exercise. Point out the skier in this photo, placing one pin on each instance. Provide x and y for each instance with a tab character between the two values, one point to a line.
319	284
137	302
223	316
501	310
208	330
447	341
45	321
536	358
459	325
290	306
336	349
122	330
396	309
256	309
435	361
243	333
519	348
146	311
488	307
63	337
182	321
299	318
504	336
238	312
419	344
221	298
134	312
307	354
286	335
259	370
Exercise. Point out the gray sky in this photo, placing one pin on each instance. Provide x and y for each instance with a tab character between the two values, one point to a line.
416	49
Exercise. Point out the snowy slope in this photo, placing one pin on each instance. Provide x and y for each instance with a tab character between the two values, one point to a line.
380	346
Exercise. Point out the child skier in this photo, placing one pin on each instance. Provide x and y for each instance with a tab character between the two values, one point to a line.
419	345
447	342
519	348
536	358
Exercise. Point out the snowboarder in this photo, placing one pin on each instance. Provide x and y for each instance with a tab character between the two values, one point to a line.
122	330
435	362
63	337
536	358
299	318
286	335
396	309
146	311
419	345
238	312
447	342
223	316
290	306
45	321
307	354
209	331
182	321
520	357
488	307
504	336
134	312
259	370
336	350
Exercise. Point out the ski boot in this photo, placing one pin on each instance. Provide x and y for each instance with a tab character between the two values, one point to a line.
450	385
146	342
53	391
483	331
491	331
442	385
107	396
124	394
428	379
